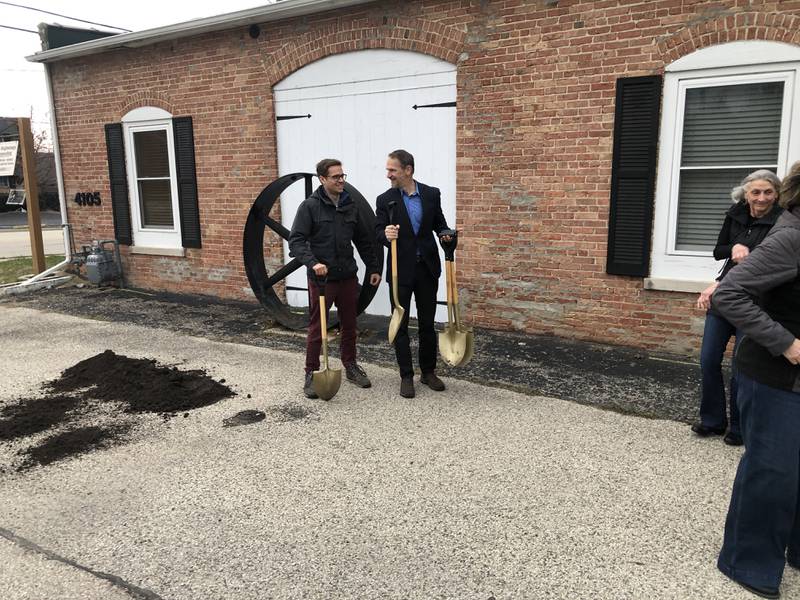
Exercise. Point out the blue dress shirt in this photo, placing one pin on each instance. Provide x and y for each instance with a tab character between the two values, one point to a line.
414	207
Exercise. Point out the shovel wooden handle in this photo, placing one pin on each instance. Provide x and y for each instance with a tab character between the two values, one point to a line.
454	292
323	321
448	278
394	273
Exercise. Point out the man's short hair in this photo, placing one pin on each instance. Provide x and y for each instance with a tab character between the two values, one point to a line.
405	158
325	164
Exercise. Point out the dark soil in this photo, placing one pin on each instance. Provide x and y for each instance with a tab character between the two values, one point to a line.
33	415
244	417
71	443
140	384
85	390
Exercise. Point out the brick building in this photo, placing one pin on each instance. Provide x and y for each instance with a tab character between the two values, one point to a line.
586	149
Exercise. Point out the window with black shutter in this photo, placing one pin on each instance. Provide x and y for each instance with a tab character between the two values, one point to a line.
633	175
153	180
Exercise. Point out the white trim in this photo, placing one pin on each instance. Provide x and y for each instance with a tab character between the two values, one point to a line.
144	236
146	113
786	77
285	9
669	265
754	52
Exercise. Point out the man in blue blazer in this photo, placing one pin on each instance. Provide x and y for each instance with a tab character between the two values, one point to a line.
411	212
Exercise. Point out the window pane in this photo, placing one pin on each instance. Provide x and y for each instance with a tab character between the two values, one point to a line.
152	158
732	124
704	198
155	199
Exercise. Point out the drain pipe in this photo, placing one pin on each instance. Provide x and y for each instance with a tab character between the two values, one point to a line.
62	198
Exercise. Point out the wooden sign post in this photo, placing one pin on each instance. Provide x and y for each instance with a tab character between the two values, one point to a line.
31	193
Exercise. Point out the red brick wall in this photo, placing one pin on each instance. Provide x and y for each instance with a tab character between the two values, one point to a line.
536	82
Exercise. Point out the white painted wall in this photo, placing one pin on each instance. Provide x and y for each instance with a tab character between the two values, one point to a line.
361	109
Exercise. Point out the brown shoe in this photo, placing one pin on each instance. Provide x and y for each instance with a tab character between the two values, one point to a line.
407	387
432	381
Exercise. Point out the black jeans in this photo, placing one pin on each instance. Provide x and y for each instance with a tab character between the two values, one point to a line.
424	288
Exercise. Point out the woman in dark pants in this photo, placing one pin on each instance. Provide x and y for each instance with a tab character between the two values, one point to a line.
762	530
746	224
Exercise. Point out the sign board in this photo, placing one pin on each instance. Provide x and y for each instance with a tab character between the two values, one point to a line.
8	158
16	198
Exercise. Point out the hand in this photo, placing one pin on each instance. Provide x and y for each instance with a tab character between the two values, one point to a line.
391	232
320	270
374	279
792	353
704	300
446	238
739	252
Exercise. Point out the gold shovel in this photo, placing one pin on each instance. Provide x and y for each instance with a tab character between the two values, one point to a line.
399	312
327	381
469	343
454	341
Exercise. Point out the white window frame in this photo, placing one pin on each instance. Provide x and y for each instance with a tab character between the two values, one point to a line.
151	119
727	64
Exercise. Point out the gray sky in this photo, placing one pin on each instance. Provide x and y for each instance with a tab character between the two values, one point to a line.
24	93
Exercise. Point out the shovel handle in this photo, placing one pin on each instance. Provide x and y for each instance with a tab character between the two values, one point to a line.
394	273
449	247
449	293
323	321
454	287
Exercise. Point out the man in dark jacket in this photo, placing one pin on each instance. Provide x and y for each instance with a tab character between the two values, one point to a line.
411	212
325	227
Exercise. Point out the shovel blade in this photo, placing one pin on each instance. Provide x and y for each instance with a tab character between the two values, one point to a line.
470	350
326	382
452	346
395	322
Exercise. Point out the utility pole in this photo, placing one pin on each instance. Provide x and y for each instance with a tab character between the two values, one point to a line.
31	193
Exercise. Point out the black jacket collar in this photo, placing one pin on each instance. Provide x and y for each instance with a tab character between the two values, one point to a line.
740	212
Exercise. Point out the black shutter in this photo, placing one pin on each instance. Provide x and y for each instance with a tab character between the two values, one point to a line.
633	173
187	182
118	177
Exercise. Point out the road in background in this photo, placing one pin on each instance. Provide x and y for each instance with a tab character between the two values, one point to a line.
17	242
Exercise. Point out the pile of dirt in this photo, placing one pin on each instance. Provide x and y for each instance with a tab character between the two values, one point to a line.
90	405
141	384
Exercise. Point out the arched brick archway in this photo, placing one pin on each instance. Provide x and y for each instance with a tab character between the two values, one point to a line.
147	98
417	35
771	27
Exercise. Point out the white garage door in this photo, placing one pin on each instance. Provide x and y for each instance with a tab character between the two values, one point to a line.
362	107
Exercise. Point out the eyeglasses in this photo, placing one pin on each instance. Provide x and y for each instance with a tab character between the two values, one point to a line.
341	177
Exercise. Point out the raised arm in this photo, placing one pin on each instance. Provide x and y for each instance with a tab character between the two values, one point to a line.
772	263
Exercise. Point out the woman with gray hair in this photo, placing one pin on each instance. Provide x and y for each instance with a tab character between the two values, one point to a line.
746	224
761	297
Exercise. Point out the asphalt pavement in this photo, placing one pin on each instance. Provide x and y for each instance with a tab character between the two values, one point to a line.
476	492
17	242
15	239
19	219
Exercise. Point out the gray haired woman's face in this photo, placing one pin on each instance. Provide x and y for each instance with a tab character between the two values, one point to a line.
760	196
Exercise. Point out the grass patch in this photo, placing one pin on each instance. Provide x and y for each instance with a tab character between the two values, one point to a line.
11	269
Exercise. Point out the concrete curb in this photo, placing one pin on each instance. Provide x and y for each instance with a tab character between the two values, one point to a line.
21	288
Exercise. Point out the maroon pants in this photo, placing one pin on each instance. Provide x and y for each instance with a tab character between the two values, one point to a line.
345	295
